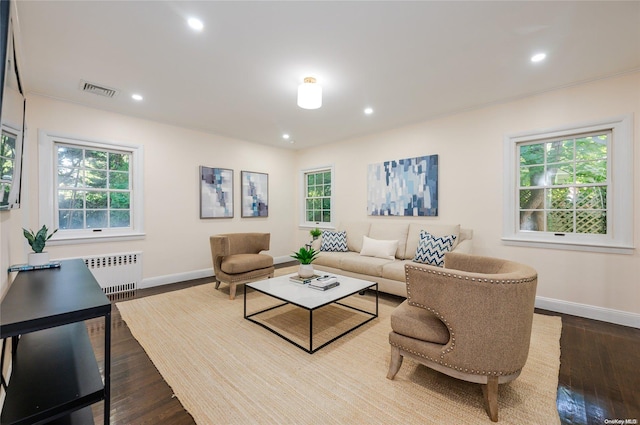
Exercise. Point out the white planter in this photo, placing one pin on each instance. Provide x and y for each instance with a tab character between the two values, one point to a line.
305	270
38	258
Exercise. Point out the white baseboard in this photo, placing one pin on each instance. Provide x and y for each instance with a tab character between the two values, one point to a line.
589	311
195	274
177	277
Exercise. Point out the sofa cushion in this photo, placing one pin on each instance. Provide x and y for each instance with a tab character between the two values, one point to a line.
334	241
355	231
333	259
413	238
241	263
391	231
370	266
395	270
418	323
431	249
379	248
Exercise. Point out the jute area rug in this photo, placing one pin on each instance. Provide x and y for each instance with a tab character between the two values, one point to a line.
227	370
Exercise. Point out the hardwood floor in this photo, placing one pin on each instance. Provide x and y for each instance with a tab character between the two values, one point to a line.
599	373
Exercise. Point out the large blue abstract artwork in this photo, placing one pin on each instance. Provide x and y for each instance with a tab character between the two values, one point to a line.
404	187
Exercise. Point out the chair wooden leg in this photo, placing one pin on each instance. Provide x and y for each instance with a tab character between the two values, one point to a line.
232	291
490	392
217	283
395	362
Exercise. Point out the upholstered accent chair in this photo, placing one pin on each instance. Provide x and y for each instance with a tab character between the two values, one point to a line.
237	259
470	320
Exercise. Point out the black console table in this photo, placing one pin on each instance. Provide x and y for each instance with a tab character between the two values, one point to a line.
55	374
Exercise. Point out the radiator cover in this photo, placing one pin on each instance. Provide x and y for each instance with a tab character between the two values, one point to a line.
117	274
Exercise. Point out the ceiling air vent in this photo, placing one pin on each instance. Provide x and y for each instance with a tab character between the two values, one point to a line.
97	89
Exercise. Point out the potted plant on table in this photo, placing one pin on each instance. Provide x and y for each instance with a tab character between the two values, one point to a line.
37	241
305	255
315	233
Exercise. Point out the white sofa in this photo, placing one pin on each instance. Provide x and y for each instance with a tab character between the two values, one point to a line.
388	273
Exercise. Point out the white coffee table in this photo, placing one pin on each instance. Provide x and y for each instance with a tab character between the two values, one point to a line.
310	299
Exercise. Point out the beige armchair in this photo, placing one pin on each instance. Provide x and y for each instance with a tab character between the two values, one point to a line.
237	259
470	320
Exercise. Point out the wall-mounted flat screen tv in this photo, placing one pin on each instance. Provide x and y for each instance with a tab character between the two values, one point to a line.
12	113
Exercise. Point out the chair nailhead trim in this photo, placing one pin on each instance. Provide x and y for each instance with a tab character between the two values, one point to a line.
473	279
465	370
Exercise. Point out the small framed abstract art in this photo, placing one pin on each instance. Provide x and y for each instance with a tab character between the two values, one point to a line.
255	194
216	192
404	187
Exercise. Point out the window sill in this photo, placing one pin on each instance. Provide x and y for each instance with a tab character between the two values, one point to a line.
73	240
608	249
324	226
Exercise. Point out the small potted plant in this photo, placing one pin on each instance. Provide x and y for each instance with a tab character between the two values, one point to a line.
315	233
305	256
37	241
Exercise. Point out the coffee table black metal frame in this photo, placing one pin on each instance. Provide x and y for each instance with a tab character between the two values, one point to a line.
286	301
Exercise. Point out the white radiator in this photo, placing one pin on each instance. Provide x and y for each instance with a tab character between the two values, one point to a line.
118	274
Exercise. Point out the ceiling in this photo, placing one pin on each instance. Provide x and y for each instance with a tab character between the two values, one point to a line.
409	61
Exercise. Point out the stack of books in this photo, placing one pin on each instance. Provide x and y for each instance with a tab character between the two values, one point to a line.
323	283
303	280
26	267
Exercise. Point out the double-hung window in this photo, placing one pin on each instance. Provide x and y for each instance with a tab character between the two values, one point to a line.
317	197
571	187
95	187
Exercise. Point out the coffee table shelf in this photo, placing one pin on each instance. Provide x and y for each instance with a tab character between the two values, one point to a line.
309	299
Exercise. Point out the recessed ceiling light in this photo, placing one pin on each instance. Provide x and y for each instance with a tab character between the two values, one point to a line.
136	97
285	136
538	57
195	24
368	111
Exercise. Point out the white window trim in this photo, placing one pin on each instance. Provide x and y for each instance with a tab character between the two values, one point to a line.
304	224
620	239
47	200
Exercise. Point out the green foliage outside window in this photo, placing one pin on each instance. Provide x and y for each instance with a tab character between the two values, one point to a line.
94	188
318	196
7	162
563	185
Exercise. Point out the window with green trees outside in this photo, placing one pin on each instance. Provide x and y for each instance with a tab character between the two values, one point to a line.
93	188
563	184
318	186
571	187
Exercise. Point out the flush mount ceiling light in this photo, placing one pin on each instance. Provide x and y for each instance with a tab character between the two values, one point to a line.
309	94
195	24
538	57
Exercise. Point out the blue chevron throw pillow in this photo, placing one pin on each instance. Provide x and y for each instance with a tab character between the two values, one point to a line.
431	249
334	241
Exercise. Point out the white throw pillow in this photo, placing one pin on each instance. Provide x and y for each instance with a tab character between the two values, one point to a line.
378	248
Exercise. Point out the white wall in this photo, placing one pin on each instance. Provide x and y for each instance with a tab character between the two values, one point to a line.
469	145
176	245
470	149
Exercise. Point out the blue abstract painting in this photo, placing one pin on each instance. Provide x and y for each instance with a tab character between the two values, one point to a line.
404	187
216	192
255	194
